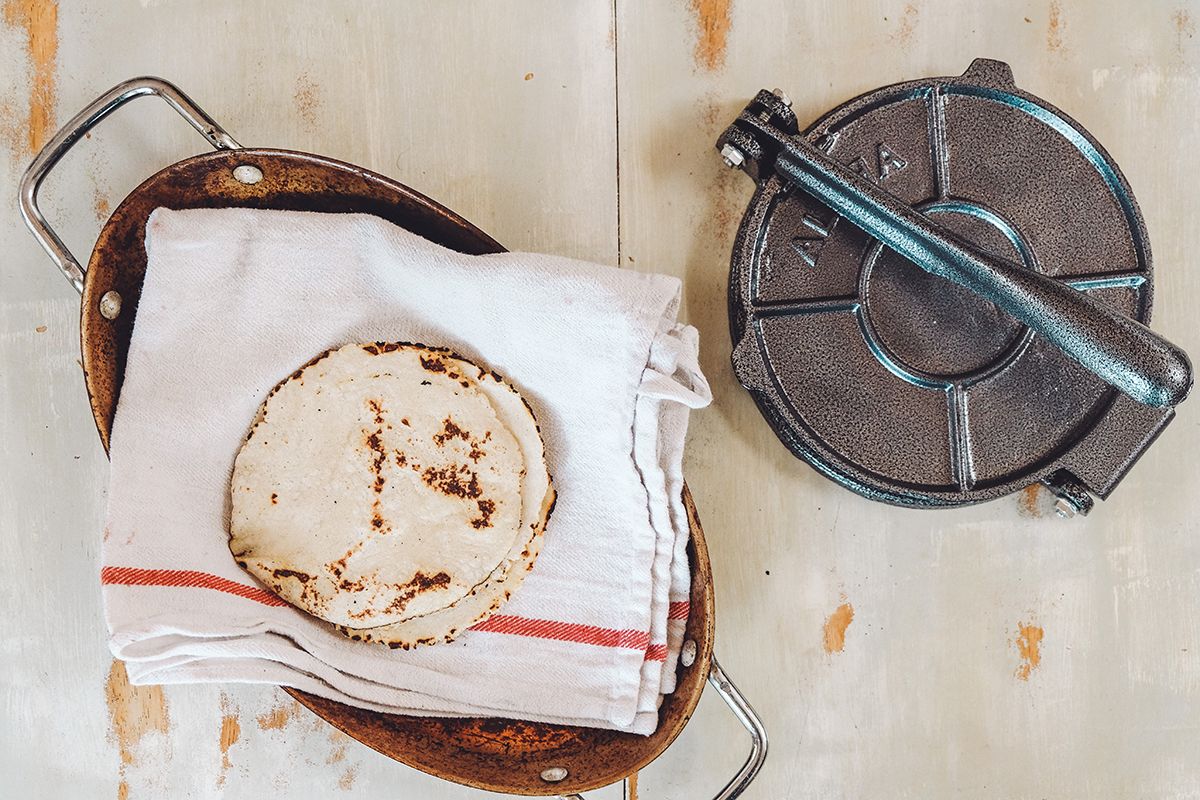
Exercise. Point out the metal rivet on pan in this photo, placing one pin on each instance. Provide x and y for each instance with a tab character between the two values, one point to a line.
733	157
247	174
554	774
687	656
110	305
783	98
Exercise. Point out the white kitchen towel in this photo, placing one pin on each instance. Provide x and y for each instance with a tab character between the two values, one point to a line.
236	299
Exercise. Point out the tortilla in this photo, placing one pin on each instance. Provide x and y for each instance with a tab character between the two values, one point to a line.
537	502
379	484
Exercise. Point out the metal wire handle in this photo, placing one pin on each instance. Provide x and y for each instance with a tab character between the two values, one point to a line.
750	720
75	129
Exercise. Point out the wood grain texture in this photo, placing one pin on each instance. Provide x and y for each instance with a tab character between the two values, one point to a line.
517	116
432	95
925	698
39	20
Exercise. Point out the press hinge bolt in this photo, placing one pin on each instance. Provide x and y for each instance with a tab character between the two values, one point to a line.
1064	508
733	157
1073	497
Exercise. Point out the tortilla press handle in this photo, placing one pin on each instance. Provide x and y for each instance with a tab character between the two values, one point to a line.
74	130
753	723
1117	348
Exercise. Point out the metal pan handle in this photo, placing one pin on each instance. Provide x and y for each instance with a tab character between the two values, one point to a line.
753	723
79	125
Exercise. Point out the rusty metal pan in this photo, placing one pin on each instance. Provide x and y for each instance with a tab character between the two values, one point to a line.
495	754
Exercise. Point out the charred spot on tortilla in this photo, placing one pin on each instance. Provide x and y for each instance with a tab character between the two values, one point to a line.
404	592
303	577
450	430
377	407
385	564
454	481
484	520
379	348
433	364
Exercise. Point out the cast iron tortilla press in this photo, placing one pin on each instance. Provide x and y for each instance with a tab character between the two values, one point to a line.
939	291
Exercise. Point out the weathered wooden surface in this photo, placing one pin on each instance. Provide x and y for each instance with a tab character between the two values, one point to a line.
986	652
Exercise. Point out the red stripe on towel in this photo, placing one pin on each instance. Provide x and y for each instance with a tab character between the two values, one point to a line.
500	623
186	578
679	609
656	652
565	632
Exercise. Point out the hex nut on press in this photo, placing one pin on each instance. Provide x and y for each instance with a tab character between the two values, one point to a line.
733	157
1064	508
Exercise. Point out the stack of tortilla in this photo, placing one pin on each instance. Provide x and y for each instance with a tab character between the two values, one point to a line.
397	491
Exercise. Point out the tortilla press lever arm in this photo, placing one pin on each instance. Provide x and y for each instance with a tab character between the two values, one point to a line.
75	129
1120	350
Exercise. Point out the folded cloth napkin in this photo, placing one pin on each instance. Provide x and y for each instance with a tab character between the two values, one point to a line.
236	299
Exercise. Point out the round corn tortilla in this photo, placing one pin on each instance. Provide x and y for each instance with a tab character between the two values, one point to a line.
377	485
537	503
